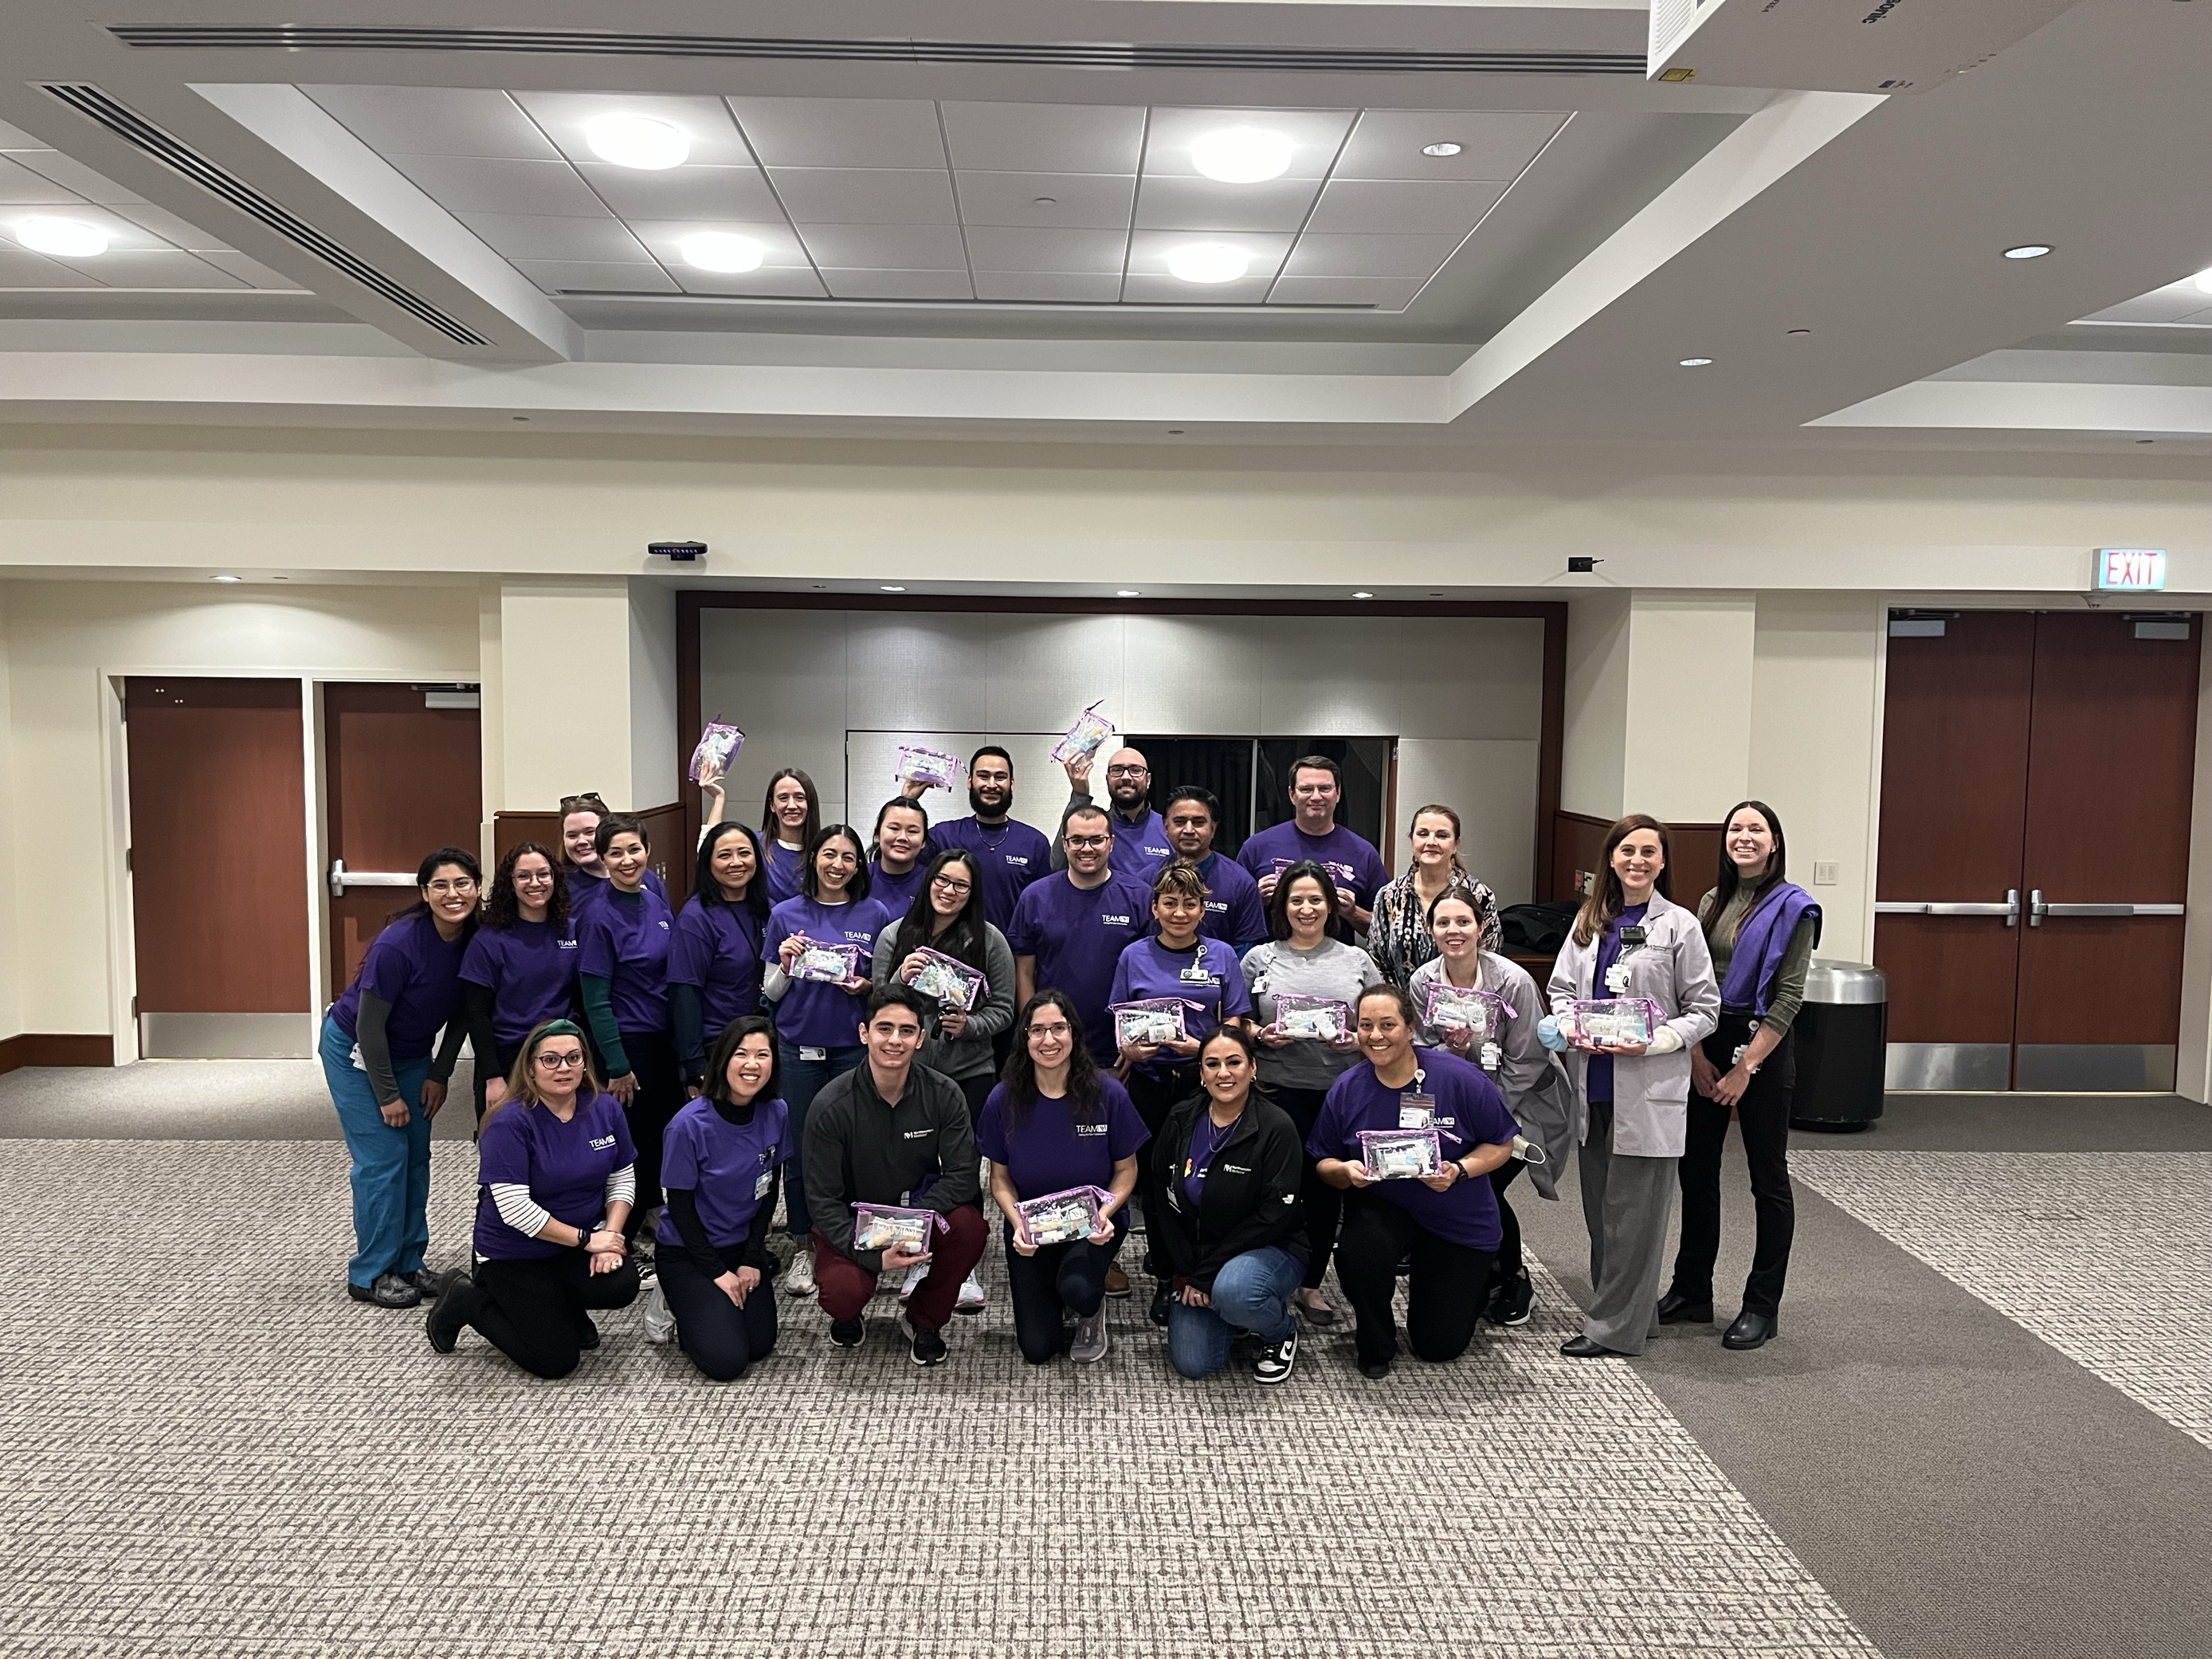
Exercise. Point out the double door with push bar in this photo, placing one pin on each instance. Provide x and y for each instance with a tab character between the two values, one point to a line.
2036	774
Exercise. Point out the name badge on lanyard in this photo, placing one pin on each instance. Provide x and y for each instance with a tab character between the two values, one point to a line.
1197	973
1616	978
1417	1108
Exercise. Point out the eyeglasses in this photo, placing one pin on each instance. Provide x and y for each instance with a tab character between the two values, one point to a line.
946	884
560	1062
1059	1030
575	803
1128	771
1088	841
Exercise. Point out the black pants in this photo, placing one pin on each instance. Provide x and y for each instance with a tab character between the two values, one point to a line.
533	1312
1444	1297
1509	1264
1323	1204
660	1097
1154	1094
977	1090
1072	1276
504	1060
1764	1112
720	1338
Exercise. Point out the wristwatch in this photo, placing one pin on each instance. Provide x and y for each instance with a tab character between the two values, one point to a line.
584	1237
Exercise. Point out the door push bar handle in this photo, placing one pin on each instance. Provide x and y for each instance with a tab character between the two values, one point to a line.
342	878
2038	908
2010	909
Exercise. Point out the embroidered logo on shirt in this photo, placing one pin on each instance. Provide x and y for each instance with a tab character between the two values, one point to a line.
1158	851
600	1143
1114	921
664	926
918	1134
1235	1169
1091	1128
1013	858
566	943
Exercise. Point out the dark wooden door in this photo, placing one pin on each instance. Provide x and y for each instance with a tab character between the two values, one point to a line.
403	779
218	855
2111	755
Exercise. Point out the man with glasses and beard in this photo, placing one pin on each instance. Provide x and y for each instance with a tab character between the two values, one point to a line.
1011	853
1140	837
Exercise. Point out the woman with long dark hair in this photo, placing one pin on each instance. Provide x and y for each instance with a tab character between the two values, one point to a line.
1398	936
521	967
946	916
1761	928
791	818
898	855
376	1053
715	958
1629	940
1057	1124
556	1173
623	974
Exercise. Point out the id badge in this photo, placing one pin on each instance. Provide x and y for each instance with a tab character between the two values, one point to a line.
814	1054
760	1187
1616	979
1737	1059
1417	1111
1196	974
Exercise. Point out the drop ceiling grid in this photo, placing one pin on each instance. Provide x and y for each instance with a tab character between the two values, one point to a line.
1354	222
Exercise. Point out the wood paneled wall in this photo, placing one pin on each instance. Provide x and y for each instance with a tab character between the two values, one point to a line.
664	834
1693	851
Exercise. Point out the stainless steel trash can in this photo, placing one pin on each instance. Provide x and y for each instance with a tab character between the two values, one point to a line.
1842	1033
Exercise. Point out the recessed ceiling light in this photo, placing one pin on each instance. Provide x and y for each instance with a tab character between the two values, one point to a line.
2204	282
1697	362
638	140
1044	201
65	239
1125	594
1242	155
226	579
723	251
1361	593
2027	250
1447	149
1208	262
892	588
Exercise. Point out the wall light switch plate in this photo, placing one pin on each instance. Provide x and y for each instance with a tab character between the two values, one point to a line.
1826	875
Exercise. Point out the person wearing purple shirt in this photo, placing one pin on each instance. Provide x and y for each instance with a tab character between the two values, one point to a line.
521	967
556	1175
715	958
791	818
818	1024
1447	1222
1140	835
898	859
622	972
376	1053
1055	1124
1234	911
1316	786
586	876
1012	853
1070	929
1176	961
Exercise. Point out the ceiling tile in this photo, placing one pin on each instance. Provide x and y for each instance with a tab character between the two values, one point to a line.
1045	137
842	132
1149	251
865	196
1382	293
1079	200
1316	134
1144	288
479	184
1097	253
1397	208
1318	255
774	281
1045	288
705	121
2165	305
1387	143
665	238
593	277
20	187
684	192
20	268
72	174
252	272
170	228
886	247
549	236
897	285
153	268
16	139
436	121
1196	204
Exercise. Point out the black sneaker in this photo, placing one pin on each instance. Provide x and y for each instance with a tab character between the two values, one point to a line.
847	1333
1374	1369
1511	1303
1275	1360
1162	1293
450	1313
929	1348
587	1333
390	1291
429	1280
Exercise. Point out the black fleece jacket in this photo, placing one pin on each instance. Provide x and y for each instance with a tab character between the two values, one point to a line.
1250	1198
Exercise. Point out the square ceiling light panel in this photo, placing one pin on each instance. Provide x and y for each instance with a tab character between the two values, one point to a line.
2181	304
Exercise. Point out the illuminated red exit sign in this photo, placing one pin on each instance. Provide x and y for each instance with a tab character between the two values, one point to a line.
2131	569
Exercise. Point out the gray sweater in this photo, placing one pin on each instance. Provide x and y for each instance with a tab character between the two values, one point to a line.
859	1150
970	1054
1333	969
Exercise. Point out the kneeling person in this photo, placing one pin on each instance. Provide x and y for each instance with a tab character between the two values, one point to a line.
890	1132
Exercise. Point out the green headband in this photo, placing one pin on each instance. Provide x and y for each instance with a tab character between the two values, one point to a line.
558	1028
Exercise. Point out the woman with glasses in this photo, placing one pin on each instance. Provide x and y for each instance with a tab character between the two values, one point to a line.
714	960
376	1053
791	818
556	1174
1398	935
521	967
898	860
817	1020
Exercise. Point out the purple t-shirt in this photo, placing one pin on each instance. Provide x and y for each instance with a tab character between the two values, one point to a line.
1051	1151
1234	913
1597	1074
812	1014
1468	1112
1140	848
716	947
626	938
418	973
785	864
1077	935
726	1167
565	1165
1351	858
584	887
1013	855
530	969
896	893
1207	977
1206	1139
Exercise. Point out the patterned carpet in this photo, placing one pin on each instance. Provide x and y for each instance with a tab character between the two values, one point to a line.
212	1451
2104	1256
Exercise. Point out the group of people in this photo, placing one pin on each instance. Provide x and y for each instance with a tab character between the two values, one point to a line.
891	1036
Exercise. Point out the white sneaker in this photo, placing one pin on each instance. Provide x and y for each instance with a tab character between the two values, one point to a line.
912	1282
1090	1341
799	1277
659	1323
971	1296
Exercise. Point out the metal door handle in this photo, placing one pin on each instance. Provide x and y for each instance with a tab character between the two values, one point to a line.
2010	909
2038	908
342	878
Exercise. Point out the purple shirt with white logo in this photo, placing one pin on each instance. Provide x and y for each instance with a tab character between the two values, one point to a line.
530	969
1468	1112
565	1165
1234	911
1013	856
1207	977
813	1014
896	893
1077	935
1350	857
418	973
717	948
1052	1151
725	1166
1140	848
585	886
626	939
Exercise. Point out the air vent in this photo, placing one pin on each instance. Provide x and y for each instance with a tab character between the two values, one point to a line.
1093	55
135	131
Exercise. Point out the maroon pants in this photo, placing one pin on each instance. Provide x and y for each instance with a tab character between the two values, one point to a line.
844	1286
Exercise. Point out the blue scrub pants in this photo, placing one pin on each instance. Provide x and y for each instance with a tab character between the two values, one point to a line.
803	1080
390	1167
1252	1292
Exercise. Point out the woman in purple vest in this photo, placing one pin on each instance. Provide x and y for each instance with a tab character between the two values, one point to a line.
1761	929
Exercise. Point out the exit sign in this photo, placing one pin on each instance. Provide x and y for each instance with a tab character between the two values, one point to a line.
2131	569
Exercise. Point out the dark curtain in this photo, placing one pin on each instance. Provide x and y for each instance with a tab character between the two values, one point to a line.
1365	762
1221	764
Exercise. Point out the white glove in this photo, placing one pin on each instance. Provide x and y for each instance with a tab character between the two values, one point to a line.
1664	1041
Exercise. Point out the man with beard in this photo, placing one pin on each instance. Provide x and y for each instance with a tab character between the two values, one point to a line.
1140	838
1011	853
1234	913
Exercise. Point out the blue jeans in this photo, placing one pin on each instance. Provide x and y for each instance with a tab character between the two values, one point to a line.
1251	1292
390	1167
802	1080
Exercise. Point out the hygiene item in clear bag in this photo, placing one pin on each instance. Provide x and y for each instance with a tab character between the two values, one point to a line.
1154	1019
1322	1019
1481	1014
719	743
931	768
1057	1217
829	963
1400	1154
892	1227
950	979
1614	1019
1091	730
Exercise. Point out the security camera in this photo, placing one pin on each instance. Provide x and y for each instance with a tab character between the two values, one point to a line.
1580	565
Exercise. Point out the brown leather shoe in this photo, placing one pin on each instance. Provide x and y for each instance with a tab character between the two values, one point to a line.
1117	1282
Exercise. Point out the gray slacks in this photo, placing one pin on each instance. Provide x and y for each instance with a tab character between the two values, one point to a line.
1627	1202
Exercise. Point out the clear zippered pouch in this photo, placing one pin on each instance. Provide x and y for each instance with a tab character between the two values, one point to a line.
1154	1019
950	979
1614	1019
1318	1019
893	1227
931	767
719	743
1059	1217
1091	730
1481	1014
1400	1154
829	963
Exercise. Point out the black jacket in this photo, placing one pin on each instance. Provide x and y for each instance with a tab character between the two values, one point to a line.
1250	1199
920	1154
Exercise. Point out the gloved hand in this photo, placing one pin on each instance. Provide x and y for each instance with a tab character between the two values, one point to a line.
1664	1041
1549	1034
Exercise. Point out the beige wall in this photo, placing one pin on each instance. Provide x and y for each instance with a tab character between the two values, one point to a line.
11	1020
